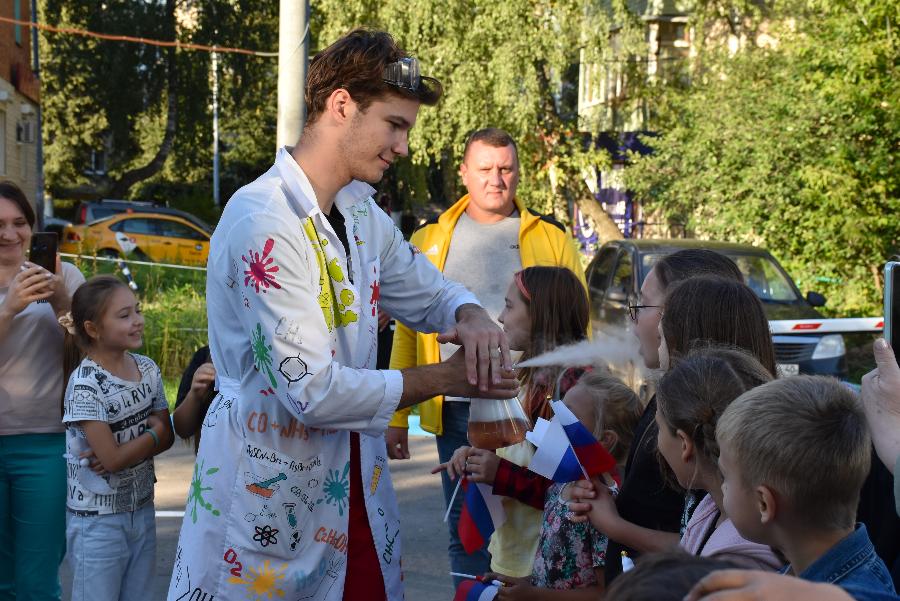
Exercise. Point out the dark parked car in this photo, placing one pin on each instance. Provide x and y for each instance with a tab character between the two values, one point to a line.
91	211
56	225
617	271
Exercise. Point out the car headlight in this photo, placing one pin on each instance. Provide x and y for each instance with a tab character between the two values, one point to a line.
829	347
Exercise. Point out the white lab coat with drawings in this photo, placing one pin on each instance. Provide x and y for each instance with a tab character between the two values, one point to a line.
293	334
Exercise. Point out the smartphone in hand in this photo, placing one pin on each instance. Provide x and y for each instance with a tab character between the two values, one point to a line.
43	250
892	304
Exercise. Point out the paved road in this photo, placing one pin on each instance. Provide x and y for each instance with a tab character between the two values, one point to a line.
425	564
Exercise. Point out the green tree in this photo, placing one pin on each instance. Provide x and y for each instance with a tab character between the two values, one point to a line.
792	146
96	93
510	64
145	111
247	104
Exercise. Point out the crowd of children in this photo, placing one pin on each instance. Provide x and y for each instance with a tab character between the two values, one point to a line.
762	473
766	473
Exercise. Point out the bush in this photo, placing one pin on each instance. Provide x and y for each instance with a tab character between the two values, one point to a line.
174	305
792	148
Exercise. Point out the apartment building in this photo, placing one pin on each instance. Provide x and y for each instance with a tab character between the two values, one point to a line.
19	98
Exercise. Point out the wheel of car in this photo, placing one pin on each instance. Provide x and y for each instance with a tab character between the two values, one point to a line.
109	253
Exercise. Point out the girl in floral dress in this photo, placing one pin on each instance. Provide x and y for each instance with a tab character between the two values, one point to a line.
571	556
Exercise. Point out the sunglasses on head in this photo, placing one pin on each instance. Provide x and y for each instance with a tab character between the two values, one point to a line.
403	74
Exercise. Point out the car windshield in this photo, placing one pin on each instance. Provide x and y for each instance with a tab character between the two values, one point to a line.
761	274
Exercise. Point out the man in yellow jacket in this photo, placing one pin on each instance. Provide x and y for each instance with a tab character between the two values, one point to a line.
480	242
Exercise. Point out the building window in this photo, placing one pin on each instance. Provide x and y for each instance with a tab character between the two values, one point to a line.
17	15
98	163
25	131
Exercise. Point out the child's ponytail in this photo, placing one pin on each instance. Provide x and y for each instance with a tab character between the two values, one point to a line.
72	354
88	304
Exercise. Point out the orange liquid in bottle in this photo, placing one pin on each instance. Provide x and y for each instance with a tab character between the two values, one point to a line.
497	434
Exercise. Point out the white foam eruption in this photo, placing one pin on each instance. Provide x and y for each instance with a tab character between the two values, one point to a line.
611	348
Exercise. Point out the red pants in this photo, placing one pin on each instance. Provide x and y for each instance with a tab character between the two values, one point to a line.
364	579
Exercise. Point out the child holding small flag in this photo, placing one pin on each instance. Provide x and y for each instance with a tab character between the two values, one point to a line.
545	307
570	557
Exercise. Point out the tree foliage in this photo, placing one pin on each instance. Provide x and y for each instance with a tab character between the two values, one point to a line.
792	147
790	144
95	93
510	64
140	105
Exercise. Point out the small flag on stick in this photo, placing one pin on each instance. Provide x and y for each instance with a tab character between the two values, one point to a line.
473	590
482	513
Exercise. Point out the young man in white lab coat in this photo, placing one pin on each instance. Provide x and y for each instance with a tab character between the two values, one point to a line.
291	496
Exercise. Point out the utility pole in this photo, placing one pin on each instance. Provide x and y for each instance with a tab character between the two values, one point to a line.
215	115
39	139
293	52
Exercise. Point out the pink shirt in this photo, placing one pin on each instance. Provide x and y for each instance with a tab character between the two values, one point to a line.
724	542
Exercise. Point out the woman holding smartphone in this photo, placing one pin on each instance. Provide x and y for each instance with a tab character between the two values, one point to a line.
32	436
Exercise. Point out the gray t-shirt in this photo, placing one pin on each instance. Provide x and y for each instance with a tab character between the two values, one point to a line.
483	257
95	394
31	366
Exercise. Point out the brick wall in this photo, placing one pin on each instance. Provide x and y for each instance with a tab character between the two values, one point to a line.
15	51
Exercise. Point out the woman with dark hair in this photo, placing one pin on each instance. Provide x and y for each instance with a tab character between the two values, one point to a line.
32	436
668	271
696	311
644	497
714	307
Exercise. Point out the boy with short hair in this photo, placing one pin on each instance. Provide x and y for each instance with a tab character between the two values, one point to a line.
794	455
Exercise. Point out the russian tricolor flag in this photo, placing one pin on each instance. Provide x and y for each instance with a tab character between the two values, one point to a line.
593	456
472	590
566	449
482	513
554	458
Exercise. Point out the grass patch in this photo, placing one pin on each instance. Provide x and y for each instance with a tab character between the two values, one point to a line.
174	305
170	385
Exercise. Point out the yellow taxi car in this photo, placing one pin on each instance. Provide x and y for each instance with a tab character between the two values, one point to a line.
142	236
